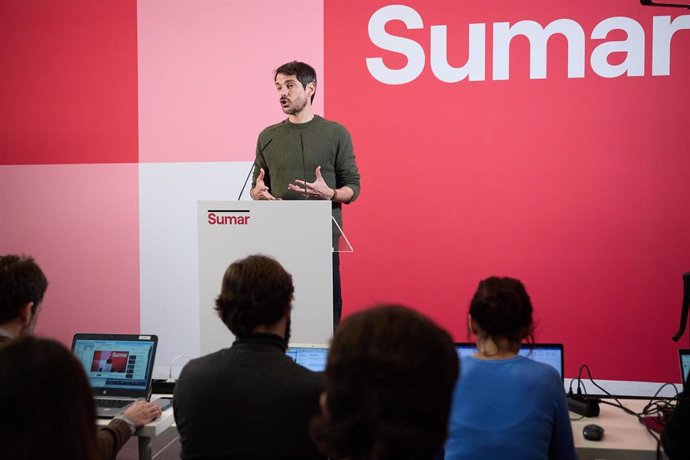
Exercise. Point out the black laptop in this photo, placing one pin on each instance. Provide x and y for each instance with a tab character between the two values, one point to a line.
313	356
684	358
546	353
119	368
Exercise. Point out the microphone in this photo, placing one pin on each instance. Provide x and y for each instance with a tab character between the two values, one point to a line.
686	305
261	151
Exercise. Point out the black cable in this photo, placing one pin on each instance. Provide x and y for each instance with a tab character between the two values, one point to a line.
584	366
655	407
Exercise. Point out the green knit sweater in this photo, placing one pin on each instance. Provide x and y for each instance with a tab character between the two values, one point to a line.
288	151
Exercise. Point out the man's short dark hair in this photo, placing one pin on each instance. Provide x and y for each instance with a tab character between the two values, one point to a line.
21	281
256	291
389	383
304	73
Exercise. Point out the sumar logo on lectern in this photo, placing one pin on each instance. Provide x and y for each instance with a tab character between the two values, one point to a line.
228	216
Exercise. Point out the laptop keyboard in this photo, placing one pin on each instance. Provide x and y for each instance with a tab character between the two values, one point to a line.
115	403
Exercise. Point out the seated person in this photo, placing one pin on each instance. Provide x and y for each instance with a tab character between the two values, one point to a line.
46	404
22	288
389	383
249	401
507	406
675	437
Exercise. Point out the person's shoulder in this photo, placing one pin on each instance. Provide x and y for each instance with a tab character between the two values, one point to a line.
202	364
297	371
269	130
321	121
540	372
306	380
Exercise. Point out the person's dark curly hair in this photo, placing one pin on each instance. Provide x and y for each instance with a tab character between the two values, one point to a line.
21	281
256	291
389	382
502	308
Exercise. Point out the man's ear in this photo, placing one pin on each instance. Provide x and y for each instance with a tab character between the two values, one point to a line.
323	403
471	324
26	313
311	87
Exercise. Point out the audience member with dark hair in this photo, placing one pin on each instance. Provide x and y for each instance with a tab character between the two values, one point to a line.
37	424
249	401
22	287
389	383
507	406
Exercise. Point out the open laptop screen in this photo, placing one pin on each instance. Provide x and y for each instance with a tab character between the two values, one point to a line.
546	353
117	365
312	356
684	356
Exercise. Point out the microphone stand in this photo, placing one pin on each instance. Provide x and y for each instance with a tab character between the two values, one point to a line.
246	180
684	309
671	5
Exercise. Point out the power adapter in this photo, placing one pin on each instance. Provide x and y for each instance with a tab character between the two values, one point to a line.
161	386
582	405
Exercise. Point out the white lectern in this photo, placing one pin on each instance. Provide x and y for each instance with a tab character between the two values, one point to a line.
296	233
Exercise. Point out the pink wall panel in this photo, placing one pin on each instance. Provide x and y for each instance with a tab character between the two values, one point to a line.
206	73
578	186
81	223
68	84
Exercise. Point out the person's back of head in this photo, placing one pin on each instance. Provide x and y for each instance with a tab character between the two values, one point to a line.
389	382
502	308
46	406
22	287
256	291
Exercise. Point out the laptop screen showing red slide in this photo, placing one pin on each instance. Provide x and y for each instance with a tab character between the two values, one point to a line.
117	364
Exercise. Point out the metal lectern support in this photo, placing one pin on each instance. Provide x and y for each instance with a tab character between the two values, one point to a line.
343	243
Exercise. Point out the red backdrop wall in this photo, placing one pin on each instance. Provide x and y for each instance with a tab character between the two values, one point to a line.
577	186
69	82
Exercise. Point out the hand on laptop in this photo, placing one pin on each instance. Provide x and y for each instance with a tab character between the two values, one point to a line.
142	412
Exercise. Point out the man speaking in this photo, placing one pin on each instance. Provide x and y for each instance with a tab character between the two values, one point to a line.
306	157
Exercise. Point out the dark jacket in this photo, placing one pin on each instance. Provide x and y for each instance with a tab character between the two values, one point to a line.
247	402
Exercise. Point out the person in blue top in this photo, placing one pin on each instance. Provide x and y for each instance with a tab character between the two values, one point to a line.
506	406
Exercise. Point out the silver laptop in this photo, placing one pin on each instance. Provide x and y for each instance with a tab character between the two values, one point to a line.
119	368
313	356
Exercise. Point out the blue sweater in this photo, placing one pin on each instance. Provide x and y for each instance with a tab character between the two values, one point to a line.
509	409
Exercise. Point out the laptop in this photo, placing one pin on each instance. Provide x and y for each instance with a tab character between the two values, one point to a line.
546	353
313	356
684	358
119	368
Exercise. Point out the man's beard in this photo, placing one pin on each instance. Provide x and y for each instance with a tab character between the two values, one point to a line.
288	326
295	108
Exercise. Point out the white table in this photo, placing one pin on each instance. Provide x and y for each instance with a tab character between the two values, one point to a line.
625	438
146	433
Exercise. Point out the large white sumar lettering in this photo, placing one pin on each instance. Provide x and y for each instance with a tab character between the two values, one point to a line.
632	49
